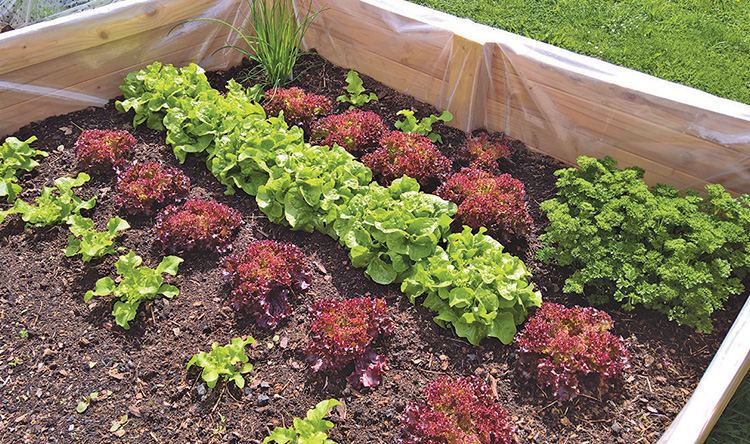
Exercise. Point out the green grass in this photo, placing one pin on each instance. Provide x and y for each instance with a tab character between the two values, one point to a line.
734	424
700	43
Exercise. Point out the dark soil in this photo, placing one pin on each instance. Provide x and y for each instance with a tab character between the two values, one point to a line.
57	349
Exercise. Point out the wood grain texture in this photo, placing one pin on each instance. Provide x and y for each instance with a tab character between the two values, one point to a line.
65	65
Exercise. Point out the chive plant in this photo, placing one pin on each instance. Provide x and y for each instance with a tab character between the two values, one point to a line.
273	38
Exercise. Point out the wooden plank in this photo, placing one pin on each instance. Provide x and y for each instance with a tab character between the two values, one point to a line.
697	122
35	44
97	61
537	102
466	83
378	31
546	139
429	59
37	107
383	69
694	156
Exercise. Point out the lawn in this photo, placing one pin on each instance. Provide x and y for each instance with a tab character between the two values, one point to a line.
704	44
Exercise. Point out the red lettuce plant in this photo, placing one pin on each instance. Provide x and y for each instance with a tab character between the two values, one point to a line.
300	108
143	187
570	350
203	224
482	151
356	130
342	332
408	154
459	410
98	150
490	201
262	277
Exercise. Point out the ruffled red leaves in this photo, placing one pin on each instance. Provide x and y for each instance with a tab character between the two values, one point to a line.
300	108
355	130
490	201
343	332
483	152
262	276
408	154
201	224
570	350
459	410
99	150
141	188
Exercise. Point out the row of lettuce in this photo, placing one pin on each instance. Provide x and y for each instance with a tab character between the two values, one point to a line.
396	233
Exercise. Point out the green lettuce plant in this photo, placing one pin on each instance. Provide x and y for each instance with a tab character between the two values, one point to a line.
152	91
195	124
423	126
137	284
355	89
50	208
92	244
15	156
388	230
474	287
680	253
229	362
308	184
310	430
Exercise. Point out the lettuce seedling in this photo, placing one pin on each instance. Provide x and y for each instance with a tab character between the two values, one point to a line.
311	430
356	130
51	209
483	152
199	224
15	156
408	154
92	244
355	89
424	126
680	253
486	200
343	332
570	350
475	287
137	284
229	362
140	188
262	276
99	150
298	107
457	410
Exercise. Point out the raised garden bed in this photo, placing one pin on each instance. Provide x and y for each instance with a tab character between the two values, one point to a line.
412	355
50	370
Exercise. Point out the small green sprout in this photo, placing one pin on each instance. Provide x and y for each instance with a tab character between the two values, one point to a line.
355	88
225	362
424	126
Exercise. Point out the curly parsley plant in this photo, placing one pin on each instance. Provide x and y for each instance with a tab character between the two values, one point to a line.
680	253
